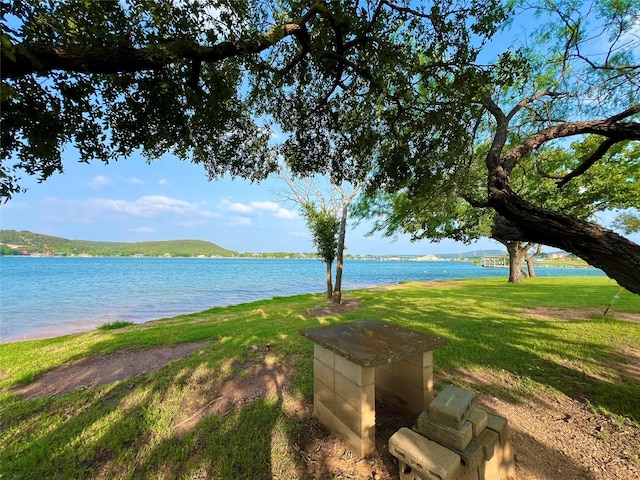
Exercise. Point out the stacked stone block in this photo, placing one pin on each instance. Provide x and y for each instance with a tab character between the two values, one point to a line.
454	440
406	384
344	399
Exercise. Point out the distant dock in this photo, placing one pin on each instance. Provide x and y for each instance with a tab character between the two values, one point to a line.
495	262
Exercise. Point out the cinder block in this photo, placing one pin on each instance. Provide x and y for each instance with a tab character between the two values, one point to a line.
385	379
473	455
457	439
323	393
426	458
387	367
492	469
427	375
355	395
357	421
499	425
357	374
323	372
324	355
468	472
507	465
502	464
323	413
409	373
406	472
479	420
421	359
361	445
488	439
452	406
407	400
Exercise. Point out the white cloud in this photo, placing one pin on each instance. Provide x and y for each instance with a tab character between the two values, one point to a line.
150	206
239	222
196	222
136	181
100	181
142	230
163	182
258	208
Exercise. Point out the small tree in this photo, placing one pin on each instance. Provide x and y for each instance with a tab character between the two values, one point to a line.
326	211
520	252
324	226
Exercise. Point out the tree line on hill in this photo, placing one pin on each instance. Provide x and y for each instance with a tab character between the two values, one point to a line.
14	242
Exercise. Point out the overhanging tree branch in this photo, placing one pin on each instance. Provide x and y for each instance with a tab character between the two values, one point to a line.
588	162
610	127
42	59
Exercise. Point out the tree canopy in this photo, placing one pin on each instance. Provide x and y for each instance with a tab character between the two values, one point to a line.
392	88
202	80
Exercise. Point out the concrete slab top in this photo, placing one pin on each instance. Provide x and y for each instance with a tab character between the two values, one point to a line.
370	343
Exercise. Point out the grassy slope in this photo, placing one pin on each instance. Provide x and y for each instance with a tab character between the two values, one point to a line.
35	242
123	430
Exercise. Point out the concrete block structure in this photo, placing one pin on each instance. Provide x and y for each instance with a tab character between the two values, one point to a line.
344	399
358	362
409	447
481	443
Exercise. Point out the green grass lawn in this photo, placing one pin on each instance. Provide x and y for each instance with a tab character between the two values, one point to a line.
127	429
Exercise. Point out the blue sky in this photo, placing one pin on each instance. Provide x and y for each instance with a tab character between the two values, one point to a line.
132	201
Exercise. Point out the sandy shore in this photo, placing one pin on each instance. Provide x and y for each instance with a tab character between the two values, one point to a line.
57	330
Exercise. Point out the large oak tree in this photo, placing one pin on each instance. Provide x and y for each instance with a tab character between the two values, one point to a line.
580	77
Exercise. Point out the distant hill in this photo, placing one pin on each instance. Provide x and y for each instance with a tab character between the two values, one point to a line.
14	242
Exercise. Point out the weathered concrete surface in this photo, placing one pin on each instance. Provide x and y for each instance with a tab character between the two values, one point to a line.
458	439
370	343
425	458
452	406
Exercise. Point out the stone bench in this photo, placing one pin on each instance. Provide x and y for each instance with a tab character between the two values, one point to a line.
358	362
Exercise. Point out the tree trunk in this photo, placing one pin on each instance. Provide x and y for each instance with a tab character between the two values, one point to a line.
337	291
530	259
516	255
329	281
602	248
519	220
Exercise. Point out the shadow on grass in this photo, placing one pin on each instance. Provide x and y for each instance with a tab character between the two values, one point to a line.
567	355
126	430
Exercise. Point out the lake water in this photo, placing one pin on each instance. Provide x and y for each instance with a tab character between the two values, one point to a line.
42	296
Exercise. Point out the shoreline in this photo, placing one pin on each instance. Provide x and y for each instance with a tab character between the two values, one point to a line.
59	330
42	299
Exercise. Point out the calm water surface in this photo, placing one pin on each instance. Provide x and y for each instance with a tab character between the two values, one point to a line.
42	296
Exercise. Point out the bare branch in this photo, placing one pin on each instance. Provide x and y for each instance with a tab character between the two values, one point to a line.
527	101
